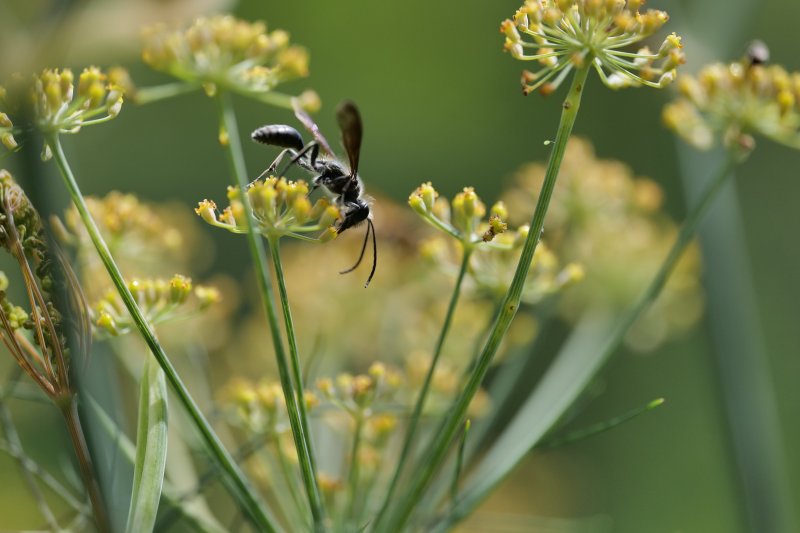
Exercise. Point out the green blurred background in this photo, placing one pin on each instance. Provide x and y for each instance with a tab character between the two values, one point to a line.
441	102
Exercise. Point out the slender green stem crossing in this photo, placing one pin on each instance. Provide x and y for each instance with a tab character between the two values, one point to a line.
294	357
233	150
439	448
423	393
234	478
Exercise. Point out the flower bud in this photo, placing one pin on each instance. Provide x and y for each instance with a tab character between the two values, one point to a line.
180	287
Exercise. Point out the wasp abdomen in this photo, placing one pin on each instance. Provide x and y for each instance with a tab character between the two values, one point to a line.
279	135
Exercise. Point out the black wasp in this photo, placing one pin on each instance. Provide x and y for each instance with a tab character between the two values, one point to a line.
329	172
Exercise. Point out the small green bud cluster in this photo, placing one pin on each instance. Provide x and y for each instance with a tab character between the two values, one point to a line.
280	207
462	218
6	126
259	407
732	102
160	300
566	34
359	393
493	247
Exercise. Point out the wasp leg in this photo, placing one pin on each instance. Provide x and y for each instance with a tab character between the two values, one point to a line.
370	229
361	254
271	168
312	149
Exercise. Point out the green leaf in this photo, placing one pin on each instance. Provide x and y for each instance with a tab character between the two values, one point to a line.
198	520
151	449
600	427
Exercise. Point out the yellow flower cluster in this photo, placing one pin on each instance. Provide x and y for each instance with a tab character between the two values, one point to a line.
366	408
612	223
494	249
225	51
60	105
160	300
280	207
146	240
463	218
565	34
736	101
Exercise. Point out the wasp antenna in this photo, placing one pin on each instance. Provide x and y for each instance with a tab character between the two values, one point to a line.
363	249
374	252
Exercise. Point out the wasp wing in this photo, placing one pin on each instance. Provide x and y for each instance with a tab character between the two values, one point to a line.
352	131
309	124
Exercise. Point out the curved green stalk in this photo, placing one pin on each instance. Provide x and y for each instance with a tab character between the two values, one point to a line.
233	150
234	478
423	393
451	424
495	473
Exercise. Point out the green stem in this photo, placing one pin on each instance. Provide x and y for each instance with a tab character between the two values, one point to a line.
459	462
452	423
291	488
472	498
234	478
294	357
233	150
148	95
353	475
423	393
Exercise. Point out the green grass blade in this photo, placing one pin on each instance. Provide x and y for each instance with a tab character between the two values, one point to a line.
196	521
151	449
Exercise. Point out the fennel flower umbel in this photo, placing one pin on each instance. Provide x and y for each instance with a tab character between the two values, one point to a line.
226	52
59	105
564	34
736	101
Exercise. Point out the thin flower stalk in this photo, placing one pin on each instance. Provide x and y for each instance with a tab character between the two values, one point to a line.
416	414
293	396
234	478
275	253
431	461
